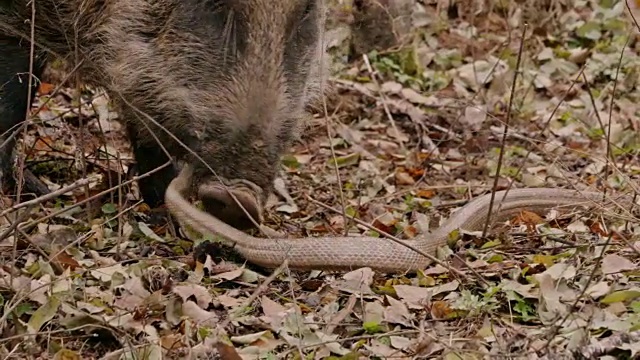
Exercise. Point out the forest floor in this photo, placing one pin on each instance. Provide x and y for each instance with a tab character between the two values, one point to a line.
418	105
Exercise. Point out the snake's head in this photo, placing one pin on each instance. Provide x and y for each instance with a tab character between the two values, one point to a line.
238	203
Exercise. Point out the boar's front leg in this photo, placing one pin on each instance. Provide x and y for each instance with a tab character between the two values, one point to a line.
14	101
150	156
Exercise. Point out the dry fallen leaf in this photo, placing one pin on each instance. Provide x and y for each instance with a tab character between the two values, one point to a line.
201	294
613	263
528	218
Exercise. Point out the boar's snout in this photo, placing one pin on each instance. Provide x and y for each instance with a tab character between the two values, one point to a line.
219	202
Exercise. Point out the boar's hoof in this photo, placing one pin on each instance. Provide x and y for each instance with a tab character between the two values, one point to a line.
217	201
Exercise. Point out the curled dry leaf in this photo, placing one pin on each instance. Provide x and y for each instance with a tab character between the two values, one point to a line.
356	282
440	310
198	315
201	294
415	297
397	313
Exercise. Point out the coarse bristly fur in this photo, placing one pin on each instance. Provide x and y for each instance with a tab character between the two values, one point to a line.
229	78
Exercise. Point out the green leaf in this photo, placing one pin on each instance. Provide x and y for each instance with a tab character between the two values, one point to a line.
590	30
347	160
290	161
453	237
23	308
372	327
109	208
490	244
44	313
620	296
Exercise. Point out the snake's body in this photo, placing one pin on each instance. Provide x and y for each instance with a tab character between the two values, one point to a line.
344	253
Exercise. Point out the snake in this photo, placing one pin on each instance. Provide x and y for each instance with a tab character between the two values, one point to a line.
337	253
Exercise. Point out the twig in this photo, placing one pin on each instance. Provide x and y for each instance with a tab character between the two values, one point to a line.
384	100
79	203
46	197
341	315
604	346
506	129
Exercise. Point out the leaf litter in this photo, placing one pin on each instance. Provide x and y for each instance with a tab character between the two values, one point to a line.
416	131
